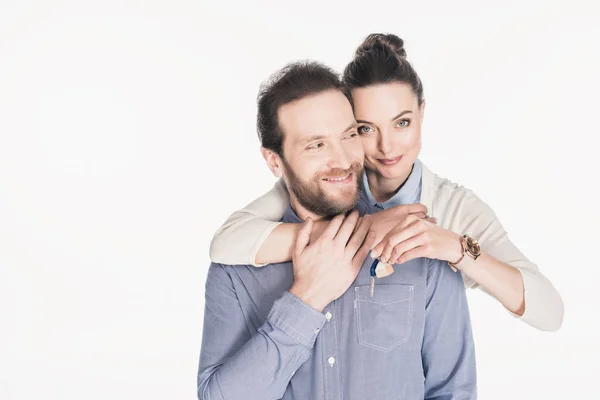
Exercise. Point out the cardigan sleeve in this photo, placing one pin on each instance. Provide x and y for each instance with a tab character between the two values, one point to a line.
240	238
544	308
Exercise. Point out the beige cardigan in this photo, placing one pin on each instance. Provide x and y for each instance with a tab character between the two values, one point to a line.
456	208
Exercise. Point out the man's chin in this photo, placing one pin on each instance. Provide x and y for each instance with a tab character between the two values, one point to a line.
342	201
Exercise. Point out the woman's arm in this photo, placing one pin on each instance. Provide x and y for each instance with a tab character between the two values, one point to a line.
239	239
502	270
254	235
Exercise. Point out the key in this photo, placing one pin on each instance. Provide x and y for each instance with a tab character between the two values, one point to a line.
372	286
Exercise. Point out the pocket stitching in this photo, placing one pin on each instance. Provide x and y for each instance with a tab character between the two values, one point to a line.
382	303
361	340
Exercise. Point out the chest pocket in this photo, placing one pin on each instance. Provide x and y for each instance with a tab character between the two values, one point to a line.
384	320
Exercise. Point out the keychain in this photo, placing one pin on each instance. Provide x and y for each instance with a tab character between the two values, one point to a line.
379	270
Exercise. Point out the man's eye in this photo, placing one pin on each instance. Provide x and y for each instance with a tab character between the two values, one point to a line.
403	123
315	146
352	135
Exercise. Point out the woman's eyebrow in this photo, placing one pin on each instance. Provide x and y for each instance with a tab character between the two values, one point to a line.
362	121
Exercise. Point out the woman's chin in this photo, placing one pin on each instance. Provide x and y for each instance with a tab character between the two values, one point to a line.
391	173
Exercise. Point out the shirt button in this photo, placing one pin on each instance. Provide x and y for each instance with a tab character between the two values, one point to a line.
331	361
328	316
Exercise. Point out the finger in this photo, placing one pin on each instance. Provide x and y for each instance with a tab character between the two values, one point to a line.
392	238
358	237
398	237
406	246
433	220
347	228
362	253
303	237
417	252
402	225
332	228
414	208
358	223
420	215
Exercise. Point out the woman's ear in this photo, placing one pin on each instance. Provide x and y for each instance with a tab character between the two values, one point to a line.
422	110
273	161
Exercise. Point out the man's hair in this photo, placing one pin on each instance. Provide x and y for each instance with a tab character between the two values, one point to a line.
293	82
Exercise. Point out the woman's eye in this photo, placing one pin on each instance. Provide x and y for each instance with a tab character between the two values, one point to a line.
403	123
365	129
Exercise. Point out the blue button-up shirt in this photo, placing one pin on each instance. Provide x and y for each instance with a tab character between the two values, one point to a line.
412	340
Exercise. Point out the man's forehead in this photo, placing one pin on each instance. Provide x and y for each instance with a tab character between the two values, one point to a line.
326	113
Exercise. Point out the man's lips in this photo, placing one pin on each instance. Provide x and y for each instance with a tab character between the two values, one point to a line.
389	161
339	179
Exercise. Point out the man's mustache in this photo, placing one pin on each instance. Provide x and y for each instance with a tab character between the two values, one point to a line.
340	173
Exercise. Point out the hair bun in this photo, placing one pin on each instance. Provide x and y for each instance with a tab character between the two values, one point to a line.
382	41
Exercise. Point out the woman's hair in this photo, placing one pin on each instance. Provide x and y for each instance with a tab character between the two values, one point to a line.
381	58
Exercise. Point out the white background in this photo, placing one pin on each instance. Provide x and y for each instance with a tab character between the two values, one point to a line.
127	136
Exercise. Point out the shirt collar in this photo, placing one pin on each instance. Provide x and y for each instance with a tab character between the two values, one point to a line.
409	192
290	215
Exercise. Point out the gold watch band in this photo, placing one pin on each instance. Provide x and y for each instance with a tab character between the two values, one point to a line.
463	243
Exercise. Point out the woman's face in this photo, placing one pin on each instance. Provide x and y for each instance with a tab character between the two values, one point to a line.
389	123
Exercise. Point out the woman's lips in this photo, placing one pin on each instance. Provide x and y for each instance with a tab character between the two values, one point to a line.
389	161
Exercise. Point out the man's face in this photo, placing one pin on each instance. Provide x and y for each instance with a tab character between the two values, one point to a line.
323	154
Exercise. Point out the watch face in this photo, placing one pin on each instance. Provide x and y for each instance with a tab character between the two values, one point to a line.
473	246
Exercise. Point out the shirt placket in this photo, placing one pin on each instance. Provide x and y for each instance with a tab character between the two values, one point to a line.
330	354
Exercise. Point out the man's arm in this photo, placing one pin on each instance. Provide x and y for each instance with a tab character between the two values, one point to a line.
448	351
236	365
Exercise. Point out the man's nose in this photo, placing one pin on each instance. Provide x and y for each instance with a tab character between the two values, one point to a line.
339	158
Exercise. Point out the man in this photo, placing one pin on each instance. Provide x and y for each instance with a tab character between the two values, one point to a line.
311	329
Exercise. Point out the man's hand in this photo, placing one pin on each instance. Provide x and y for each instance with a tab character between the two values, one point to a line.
325	268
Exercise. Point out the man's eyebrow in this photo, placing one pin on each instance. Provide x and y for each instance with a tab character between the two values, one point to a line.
353	125
321	137
313	137
362	121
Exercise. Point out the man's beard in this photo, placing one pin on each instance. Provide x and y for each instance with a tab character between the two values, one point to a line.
312	196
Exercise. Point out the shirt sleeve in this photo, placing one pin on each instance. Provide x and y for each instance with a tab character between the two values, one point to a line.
240	238
544	307
448	351
237	365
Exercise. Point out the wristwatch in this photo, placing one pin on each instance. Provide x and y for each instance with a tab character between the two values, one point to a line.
471	247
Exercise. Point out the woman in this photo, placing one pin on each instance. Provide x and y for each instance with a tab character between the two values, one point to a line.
388	105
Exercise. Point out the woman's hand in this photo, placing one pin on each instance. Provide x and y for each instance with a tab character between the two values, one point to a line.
383	221
386	220
415	237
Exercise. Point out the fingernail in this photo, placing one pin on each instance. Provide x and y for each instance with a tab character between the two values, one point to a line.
374	253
